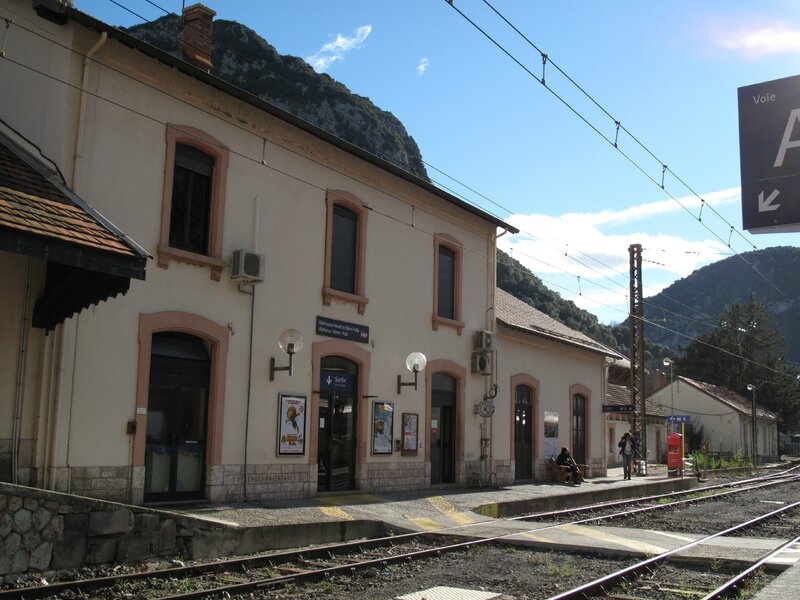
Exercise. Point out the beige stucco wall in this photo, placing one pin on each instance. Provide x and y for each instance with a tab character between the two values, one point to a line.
20	362
88	369
278	210
726	429
556	367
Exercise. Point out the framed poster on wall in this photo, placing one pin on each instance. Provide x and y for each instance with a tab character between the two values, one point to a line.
291	424
410	433
550	433
382	427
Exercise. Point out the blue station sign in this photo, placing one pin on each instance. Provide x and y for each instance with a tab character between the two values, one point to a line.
678	419
343	330
617	408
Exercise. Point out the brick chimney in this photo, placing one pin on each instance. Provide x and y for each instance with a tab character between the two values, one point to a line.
197	24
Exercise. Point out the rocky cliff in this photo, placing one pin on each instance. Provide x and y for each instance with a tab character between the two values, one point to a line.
244	59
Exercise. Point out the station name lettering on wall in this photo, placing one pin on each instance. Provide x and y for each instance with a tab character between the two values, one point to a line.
343	330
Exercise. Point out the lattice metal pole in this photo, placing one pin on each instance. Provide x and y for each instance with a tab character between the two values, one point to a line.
639	416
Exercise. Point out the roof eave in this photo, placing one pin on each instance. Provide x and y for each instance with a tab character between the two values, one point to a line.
562	340
205	77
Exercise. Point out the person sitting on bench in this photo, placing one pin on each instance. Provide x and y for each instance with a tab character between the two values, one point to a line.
565	460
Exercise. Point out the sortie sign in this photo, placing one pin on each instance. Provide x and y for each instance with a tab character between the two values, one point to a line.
769	153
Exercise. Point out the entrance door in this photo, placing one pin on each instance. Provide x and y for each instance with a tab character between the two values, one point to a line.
177	412
523	433
338	418
579	428
443	428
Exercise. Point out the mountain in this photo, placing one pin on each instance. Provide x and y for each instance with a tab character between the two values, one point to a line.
519	281
694	304
687	308
243	58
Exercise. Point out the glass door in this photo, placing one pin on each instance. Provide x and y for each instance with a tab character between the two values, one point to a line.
523	433
338	417
443	428
176	419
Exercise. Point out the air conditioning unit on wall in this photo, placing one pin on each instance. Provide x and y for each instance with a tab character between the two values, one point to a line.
247	267
484	340
481	363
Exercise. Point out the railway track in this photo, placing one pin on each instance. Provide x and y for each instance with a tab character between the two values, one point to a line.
258	574
603	585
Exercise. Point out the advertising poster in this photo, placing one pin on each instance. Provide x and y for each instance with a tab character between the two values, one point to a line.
291	424
551	434
382	430
410	432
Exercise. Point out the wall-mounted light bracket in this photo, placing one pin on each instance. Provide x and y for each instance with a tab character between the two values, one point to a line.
291	342
415	362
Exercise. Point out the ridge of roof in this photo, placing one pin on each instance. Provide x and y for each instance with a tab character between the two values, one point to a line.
212	80
517	314
729	397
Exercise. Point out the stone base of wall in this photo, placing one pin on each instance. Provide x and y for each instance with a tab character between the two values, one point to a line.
393	476
44	531
25	471
103	483
227	483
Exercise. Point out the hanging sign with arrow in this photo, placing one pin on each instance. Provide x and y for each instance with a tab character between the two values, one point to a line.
769	153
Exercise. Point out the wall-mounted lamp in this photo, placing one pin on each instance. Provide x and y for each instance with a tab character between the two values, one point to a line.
290	341
415	362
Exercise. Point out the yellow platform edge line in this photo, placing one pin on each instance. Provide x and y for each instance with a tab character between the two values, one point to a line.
426	524
336	513
604	536
450	511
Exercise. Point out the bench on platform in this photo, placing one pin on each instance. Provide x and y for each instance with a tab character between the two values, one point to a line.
560	473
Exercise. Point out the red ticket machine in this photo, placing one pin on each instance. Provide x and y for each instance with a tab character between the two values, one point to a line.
674	455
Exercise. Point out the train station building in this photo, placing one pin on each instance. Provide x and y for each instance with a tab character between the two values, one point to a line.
313	318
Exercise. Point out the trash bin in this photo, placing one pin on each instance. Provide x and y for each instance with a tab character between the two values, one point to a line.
641	467
674	455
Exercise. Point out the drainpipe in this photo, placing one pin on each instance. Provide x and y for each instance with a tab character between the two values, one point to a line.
252	292
19	395
487	426
82	104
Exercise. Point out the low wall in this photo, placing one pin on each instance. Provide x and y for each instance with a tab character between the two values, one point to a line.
43	531
580	497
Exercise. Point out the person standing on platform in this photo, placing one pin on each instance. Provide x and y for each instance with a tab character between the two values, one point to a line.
627	449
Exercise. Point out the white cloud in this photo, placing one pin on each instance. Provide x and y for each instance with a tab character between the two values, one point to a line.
336	50
423	66
575	257
759	40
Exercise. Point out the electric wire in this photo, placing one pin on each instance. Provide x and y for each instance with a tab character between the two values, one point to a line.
616	122
297	177
447	188
450	190
665	168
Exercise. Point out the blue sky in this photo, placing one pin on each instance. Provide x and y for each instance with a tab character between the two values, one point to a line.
492	133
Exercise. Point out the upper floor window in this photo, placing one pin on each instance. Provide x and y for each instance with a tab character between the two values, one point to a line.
193	202
447	282
345	250
344	238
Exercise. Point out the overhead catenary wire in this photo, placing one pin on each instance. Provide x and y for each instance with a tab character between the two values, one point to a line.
618	126
245	156
545	59
449	189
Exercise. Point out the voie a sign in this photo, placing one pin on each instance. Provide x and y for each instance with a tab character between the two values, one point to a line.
769	154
